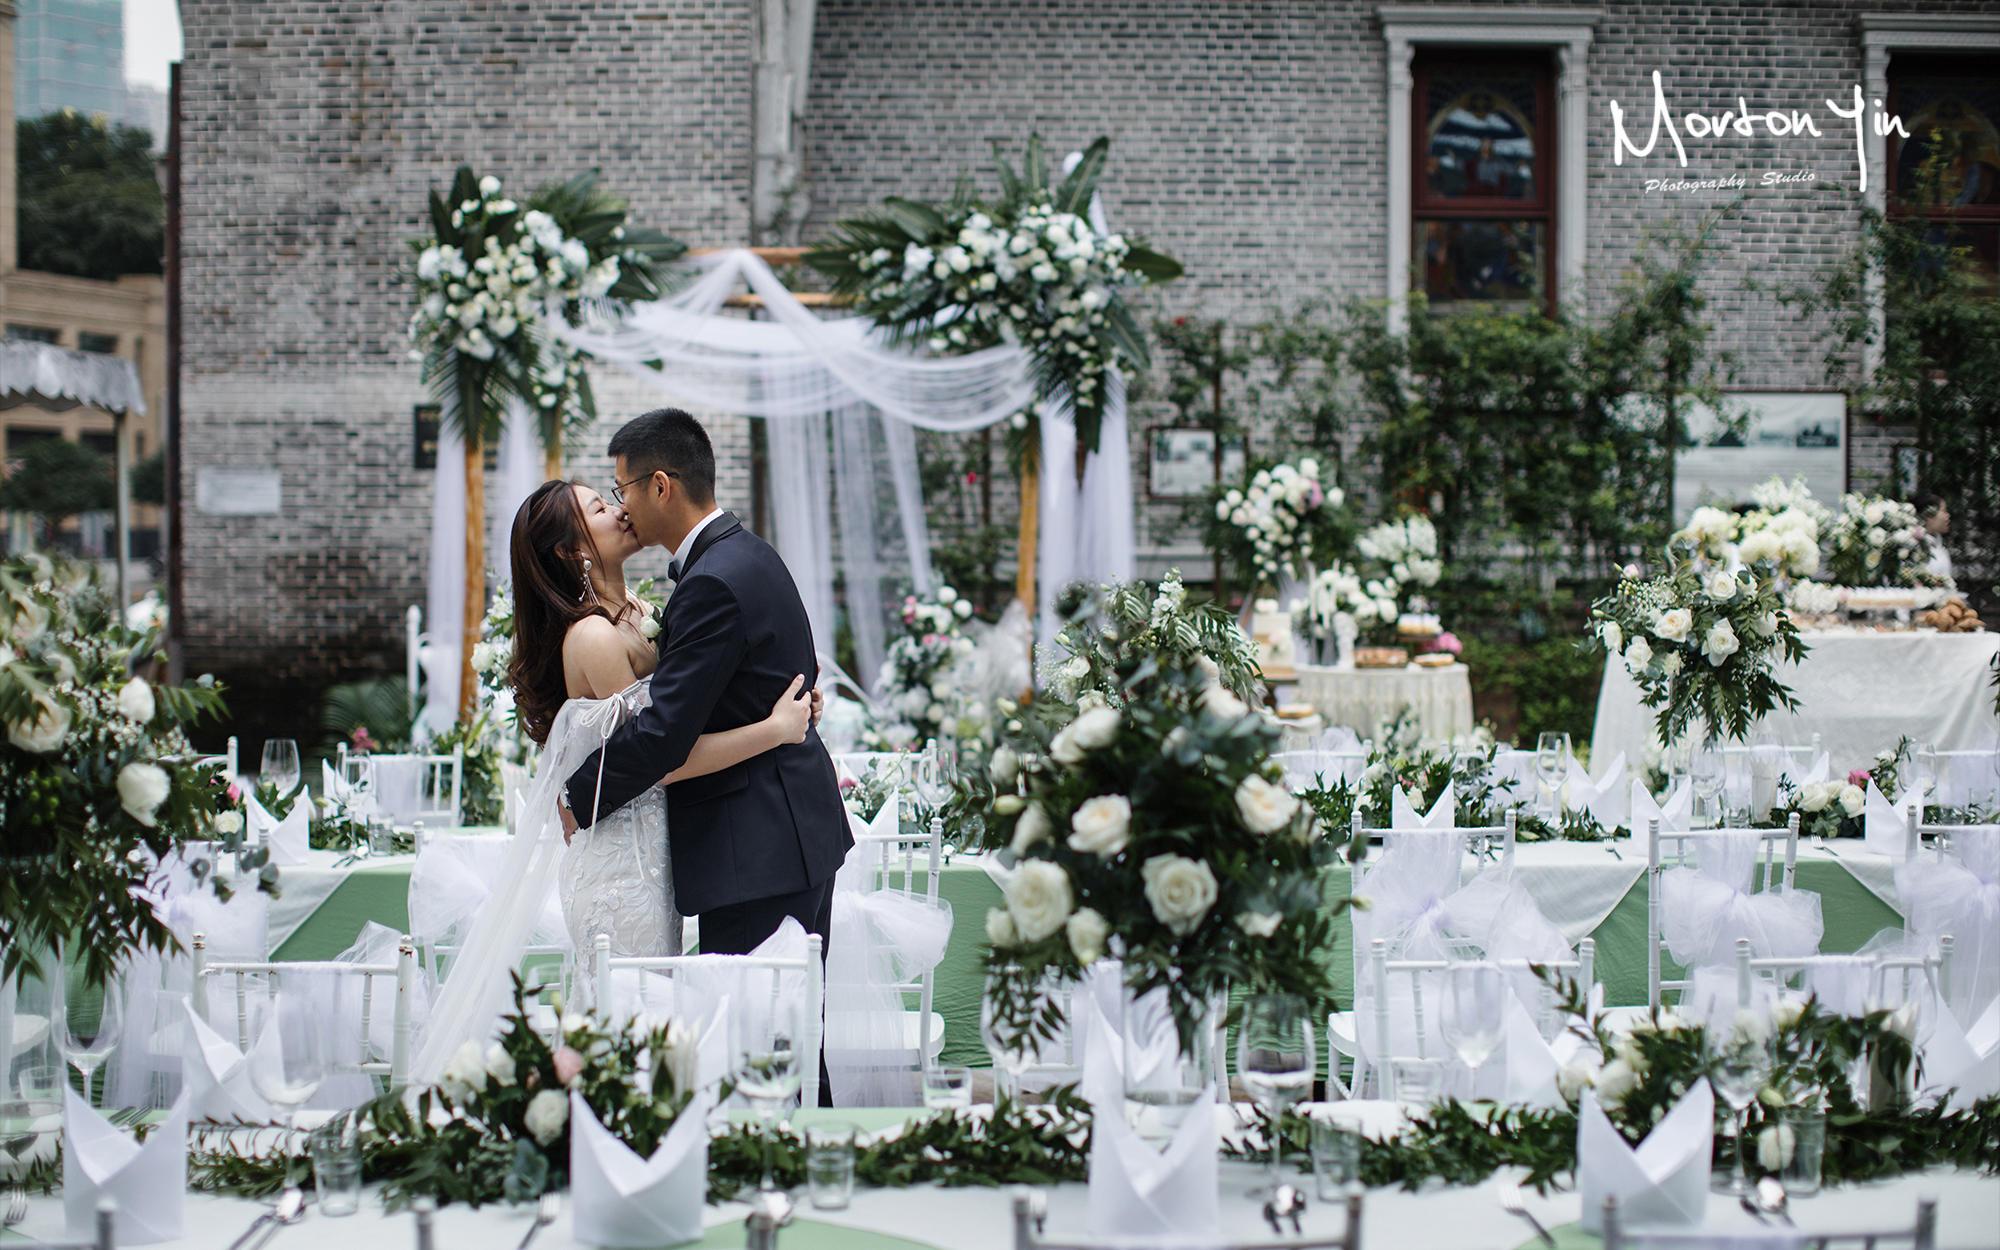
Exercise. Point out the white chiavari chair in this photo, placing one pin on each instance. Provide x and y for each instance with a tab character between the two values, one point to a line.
1668	850
248	978
880	1018
1921	1235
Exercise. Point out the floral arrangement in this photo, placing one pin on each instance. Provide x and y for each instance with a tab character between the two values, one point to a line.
1398	555
1706	536
495	649
1404	550
916	684
97	779
1812	598
1153	823
1027	268
1700	646
1784	529
1336	592
493	266
1277	525
1875	542
1110	627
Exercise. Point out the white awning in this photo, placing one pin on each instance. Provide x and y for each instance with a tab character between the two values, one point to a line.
59	377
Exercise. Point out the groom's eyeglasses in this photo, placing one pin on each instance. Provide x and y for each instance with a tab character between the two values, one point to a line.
618	488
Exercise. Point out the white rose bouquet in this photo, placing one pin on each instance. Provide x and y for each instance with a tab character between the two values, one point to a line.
1028	268
97	780
1156	828
1700	646
1874	542
1283	520
919	693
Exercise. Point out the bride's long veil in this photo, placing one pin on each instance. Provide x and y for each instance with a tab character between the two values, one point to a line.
479	987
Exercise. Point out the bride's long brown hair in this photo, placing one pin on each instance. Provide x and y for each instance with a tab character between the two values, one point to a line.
551	593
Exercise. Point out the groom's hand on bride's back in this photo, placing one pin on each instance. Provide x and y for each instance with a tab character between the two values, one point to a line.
795	713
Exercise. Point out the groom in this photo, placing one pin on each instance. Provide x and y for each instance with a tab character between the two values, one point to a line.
761	840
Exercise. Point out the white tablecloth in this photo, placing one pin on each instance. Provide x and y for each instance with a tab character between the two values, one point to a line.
1859	691
1365	699
1440	1217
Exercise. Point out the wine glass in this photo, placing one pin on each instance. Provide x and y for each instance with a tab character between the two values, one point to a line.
927	775
1739	1063
281	765
87	1037
1924	770
1708	769
770	1039
1551	762
1010	1054
288	1057
1475	1001
1275	1061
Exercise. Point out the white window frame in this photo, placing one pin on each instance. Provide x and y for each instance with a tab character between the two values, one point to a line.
1568	31
1883	34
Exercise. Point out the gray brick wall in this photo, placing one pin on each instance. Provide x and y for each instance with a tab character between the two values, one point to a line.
1248	139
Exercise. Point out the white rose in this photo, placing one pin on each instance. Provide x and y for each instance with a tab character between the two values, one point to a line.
1670	663
1765	625
1720	644
229	823
1218	702
962	609
1005	766
1576	1077
30	619
1258	924
680	1055
499	1065
1639	654
1040	899
649	626
463	1072
1722	586
947	596
1787	1013
141	790
1063	747
1087	933
1673	624
1101	826
1614	1082
44	733
547	1113
135	701
1034	826
1095	728
1614	637
1775	1146
1180	891
1853	799
1263	807
1816	795
1000	930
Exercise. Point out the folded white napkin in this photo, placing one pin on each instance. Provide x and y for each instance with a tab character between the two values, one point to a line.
619	1199
1136	1190
289	838
333	786
1819	770
1965	1061
148	1183
1529	1064
217	1076
1605	797
1403	812
1676	815
883	826
1886	825
1662	1184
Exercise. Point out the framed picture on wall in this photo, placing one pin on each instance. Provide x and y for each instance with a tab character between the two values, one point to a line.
1183	462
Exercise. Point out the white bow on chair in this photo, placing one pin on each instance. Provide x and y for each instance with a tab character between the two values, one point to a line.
1704	910
1959	897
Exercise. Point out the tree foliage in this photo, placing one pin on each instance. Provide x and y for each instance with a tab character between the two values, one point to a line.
90	205
56	479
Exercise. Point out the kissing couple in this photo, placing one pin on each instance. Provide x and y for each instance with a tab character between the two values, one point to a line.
680	772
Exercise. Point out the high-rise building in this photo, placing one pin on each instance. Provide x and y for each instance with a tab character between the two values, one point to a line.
70	54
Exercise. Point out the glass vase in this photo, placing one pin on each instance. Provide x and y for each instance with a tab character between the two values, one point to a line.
1166	1073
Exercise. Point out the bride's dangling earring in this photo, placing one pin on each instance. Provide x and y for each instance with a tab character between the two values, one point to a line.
584	594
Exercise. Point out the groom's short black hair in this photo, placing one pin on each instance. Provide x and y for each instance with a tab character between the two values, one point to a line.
667	438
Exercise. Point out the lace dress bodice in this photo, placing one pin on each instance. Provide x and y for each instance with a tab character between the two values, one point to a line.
614	877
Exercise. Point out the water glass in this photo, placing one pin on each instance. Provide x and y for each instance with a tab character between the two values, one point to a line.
42	1082
336	1163
88	1037
830	1164
1336	1157
1708	768
948	1089
1417	1082
1801	1148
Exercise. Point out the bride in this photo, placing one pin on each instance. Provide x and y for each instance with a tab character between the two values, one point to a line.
583	652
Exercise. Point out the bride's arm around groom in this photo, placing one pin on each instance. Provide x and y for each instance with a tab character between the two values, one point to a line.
762	839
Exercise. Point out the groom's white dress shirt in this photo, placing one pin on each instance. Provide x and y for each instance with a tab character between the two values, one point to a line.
680	553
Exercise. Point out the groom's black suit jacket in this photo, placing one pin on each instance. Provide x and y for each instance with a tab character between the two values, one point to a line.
735	635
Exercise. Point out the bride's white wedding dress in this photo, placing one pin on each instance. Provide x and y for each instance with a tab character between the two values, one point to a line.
613	879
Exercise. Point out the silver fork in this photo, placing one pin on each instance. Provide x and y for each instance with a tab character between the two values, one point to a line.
17	1207
1512	1202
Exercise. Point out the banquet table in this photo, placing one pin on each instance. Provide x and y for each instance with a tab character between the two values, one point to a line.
1586	889
1364	699
1859	690
929	1217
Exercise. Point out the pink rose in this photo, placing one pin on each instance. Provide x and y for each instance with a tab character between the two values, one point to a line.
235	793
849	783
569	1062
1446	642
1859	777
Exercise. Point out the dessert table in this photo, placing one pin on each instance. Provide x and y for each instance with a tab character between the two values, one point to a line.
1586	889
1363	699
1859	690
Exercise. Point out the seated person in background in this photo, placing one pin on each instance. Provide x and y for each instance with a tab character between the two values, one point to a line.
1936	521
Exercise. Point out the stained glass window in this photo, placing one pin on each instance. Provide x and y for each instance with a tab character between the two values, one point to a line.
1483	207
